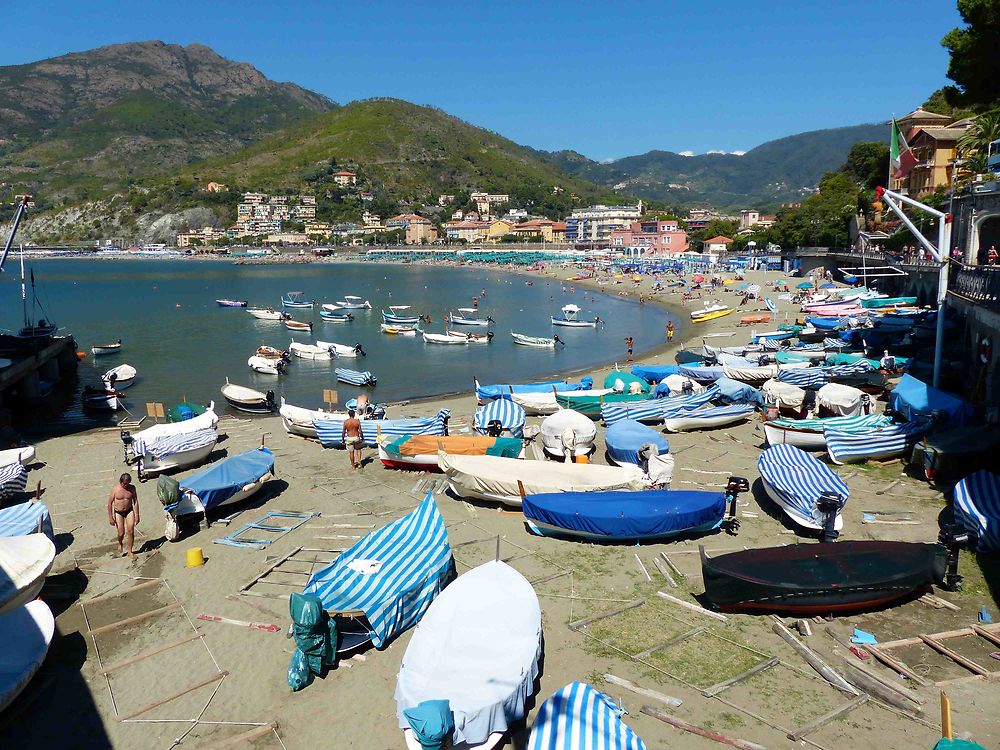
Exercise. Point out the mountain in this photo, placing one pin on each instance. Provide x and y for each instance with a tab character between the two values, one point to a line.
116	114
785	169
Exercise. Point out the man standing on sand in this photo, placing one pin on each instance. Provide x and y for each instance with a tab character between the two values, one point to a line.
123	512
629	343
670	330
353	438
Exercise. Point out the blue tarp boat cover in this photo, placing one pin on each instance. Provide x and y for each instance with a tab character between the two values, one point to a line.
329	431
510	415
25	518
624	439
392	574
220	482
578	716
977	507
826	324
503	390
913	398
702	374
734	392
627	515
655	373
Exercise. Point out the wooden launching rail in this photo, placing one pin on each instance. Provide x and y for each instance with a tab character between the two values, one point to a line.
330	556
989	633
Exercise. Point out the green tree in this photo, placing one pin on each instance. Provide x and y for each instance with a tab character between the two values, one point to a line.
975	65
974	143
867	164
822	219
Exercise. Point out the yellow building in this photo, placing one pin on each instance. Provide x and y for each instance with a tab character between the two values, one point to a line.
933	138
498	229
198	237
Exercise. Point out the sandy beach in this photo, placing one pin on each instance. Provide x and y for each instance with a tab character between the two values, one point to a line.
87	690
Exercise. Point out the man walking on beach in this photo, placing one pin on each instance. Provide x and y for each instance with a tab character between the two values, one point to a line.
629	343
123	512
353	438
670	330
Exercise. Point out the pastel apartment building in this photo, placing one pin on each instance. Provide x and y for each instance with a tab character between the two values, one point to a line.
200	237
485	201
345	179
650	238
547	229
751	218
260	213
934	141
595	224
417	229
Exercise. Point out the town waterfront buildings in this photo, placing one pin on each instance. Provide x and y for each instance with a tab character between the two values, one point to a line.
594	224
934	141
650	238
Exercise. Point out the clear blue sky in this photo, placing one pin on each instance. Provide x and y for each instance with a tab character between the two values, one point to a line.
607	79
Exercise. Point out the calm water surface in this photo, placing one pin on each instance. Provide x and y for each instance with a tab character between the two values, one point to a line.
184	345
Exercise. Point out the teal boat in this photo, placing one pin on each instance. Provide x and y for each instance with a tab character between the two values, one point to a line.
184	411
590	406
888	302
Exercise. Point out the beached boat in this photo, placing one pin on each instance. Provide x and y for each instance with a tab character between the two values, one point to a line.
656	410
709	309
342	350
466	318
630	442
137	444
266	366
499	416
705	316
24	563
542	404
395	315
21	519
571	318
506	390
715	416
590	405
471	666
877	302
567	434
420	452
119	378
353	302
977	508
296	299
757	338
13	479
23	456
354	377
876	444
310	351
501	479
297	325
330	431
267	314
443	338
807	434
101	399
300	421
172	452
231	302
538	342
809	492
99	350
399	330
335	317
246	399
579	716
26	633
821	579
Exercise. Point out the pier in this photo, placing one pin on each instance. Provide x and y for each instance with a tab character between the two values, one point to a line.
23	383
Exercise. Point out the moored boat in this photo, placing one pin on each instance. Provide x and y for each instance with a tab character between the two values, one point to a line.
246	399
309	351
538	342
101	349
342	350
472	338
468	317
101	399
297	325
395	315
354	377
571	318
271	352
267	314
443	338
231	302
119	378
296	299
266	366
399	330
336	317
353	302
26	633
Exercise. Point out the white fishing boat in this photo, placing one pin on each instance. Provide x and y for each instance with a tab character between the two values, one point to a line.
296	325
342	350
266	313
701	419
808	434
539	342
26	633
444	338
246	399
309	351
227	482
23	456
296	299
300	421
270	352
336	317
396	315
567	433
24	563
145	441
231	302
353	302
330	307
473	338
571	318
173	452
464	316
119	378
393	329
99	350
266	366
101	399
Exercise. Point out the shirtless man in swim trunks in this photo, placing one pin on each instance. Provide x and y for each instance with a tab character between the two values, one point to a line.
123	512
353	438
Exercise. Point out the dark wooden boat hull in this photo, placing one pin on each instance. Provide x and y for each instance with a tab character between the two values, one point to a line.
816	579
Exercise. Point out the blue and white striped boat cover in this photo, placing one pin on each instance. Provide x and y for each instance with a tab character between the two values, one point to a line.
354	377
977	507
771	345
511	416
817	377
579	717
13	479
657	409
799	479
329	430
770	305
25	518
835	344
882	443
811	347
414	560
859	423
167	445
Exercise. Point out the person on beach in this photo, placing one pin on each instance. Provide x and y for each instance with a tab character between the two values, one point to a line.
670	330
123	512
353	438
629	343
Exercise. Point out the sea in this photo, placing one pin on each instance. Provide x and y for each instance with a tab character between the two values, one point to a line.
185	346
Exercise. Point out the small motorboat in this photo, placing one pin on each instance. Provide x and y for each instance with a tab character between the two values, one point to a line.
342	350
299	421
101	349
808	491
807	434
571	318
352	302
395	315
296	299
330	431
24	563
231	302
296	325
630	442
543	404
23	456
399	330
875	444
246	399
589	404
26	633
464	316
119	378
186	411
538	342
821	579
172	452
715	416
499	416
354	377
266	366
267	314
567	434
977	509
336	317
710	310
310	351
472	338
579	716
506	390
270	352
757	338
420	452
161	439
101	399
444	338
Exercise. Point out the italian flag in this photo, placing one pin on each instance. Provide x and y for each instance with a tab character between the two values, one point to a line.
901	158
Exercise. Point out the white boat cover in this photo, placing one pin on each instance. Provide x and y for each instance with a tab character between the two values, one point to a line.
168	445
493	477
477	647
842	400
123	373
26	633
24	563
785	395
554	428
156	434
545	403
751	374
676	385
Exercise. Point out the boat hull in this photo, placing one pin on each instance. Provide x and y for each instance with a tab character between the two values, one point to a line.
545	529
28	634
794	514
573	323
190	504
266	314
98	351
811	440
151	466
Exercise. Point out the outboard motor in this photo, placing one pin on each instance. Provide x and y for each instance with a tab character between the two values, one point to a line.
269	398
359	350
127	441
829	504
687	388
489	334
809	402
764	360
866	404
954	536
494	428
734	487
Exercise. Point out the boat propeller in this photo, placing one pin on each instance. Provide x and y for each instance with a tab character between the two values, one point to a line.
734	487
829	504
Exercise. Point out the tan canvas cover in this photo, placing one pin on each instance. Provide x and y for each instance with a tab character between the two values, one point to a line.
463	445
840	399
785	395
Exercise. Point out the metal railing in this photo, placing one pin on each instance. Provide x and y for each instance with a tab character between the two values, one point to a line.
979	284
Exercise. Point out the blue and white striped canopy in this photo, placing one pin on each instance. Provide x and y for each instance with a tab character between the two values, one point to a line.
657	409
799	479
392	574
770	305
354	377
25	518
13	479
880	443
835	344
166	445
329	431
579	717
977	507
858	423
817	377
510	415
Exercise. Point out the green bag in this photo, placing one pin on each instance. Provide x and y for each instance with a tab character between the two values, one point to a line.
314	630
168	491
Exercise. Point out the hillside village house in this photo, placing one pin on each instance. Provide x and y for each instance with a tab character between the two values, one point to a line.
497	229
418	230
650	238
716	246
594	224
345	179
548	230
934	140
485	201
469	231
751	218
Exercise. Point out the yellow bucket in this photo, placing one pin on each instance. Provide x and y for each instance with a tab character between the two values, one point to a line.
583	459
195	557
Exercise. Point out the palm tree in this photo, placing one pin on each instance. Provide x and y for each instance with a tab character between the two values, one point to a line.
974	143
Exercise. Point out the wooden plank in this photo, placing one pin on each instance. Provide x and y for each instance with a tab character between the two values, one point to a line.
813	659
576	625
868	684
242	738
136	618
152	652
984	633
175	695
664	572
271	567
954	655
995	628
895	665
649	578
693	607
552	577
946	731
700	731
902	690
646	692
798	734
672	642
725	684
122	592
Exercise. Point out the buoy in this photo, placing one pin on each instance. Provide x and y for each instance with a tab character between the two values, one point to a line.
81	355
583	459
195	557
